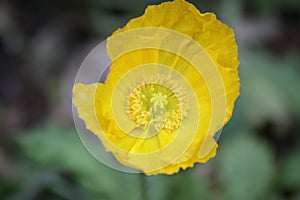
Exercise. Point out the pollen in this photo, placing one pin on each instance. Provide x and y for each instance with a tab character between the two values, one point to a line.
157	105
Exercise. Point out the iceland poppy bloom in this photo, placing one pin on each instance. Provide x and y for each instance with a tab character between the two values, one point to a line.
171	87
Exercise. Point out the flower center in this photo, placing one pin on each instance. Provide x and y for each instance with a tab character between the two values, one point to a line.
155	107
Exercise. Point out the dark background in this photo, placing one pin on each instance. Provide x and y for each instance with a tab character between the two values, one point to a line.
42	44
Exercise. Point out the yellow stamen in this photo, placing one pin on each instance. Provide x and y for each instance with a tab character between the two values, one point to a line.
155	105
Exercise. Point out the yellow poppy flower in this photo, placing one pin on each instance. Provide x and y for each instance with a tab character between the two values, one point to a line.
171	87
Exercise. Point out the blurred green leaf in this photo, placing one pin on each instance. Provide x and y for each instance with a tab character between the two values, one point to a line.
290	174
245	168
188	185
268	89
59	148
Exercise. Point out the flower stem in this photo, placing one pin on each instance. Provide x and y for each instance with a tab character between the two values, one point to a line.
144	186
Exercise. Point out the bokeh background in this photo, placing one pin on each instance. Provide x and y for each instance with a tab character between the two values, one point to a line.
42	44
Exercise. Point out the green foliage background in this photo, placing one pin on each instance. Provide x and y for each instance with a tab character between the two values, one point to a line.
42	44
